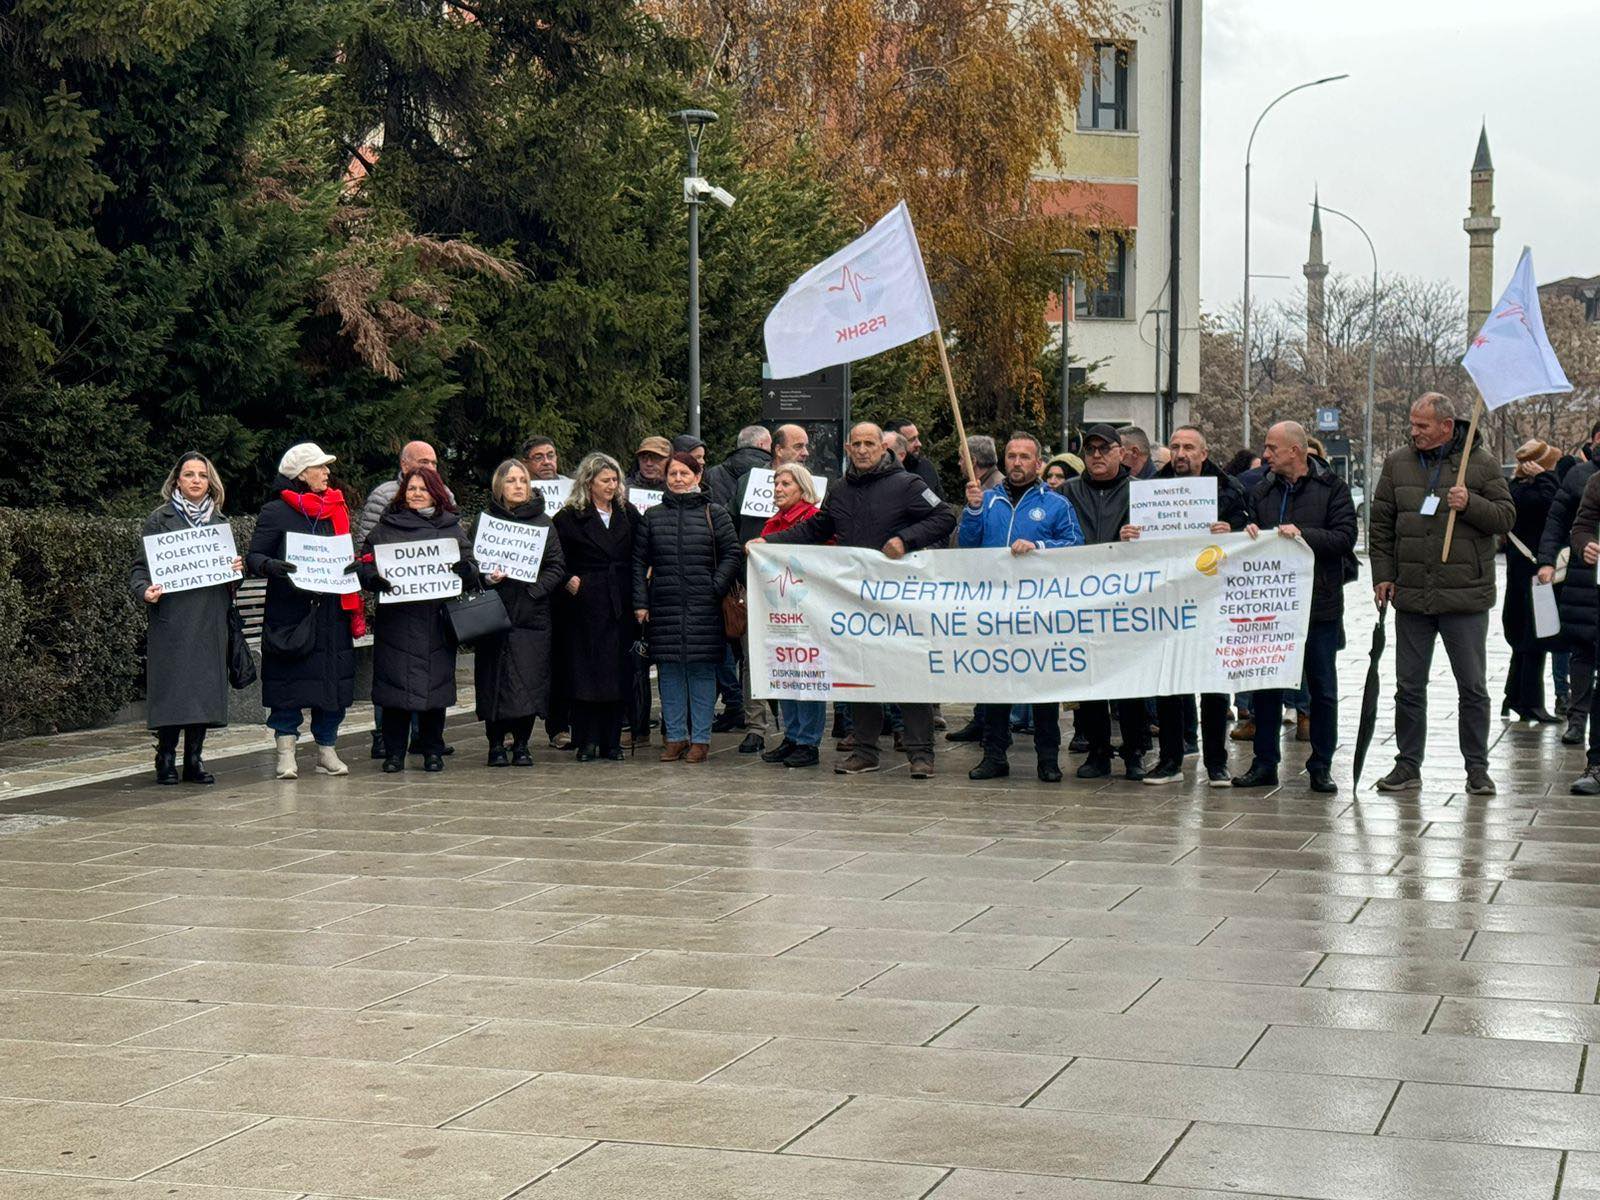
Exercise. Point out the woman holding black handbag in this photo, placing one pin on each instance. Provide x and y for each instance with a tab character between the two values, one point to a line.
512	671
686	557
308	657
413	648
187	655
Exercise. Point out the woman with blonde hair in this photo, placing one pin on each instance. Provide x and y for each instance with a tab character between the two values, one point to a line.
186	662
512	670
795	494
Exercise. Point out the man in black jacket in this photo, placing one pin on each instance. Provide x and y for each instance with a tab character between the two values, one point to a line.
752	448
1578	597
879	505
1100	496
1191	460
914	462
1301	497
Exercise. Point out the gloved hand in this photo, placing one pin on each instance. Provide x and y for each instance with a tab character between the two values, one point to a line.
276	568
465	569
380	584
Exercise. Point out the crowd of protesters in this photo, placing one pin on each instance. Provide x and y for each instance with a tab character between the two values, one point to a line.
642	568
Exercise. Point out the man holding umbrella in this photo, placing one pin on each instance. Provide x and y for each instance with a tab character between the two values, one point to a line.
1302	498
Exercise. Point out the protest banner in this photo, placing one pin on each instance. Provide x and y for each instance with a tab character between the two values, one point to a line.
1176	507
1100	622
555	493
513	548
197	557
758	497
320	562
418	570
643	499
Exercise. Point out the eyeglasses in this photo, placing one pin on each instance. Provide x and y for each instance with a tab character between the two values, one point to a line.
1096	451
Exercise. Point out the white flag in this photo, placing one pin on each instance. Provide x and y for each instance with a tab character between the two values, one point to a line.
1511	358
869	297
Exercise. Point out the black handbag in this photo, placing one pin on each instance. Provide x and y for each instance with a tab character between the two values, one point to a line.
241	664
478	616
293	641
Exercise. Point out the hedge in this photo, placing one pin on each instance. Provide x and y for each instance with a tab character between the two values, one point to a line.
71	634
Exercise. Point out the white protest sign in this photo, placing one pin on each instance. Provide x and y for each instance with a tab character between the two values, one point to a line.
320	562
1087	623
197	557
555	493
643	499
1173	507
418	570
759	500
511	547
1546	616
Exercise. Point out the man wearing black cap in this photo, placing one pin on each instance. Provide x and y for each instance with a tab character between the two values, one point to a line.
1100	496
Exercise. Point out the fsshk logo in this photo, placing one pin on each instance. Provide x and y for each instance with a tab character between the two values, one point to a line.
1510	311
785	589
855	292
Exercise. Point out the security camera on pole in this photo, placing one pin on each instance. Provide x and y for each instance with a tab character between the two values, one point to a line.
694	188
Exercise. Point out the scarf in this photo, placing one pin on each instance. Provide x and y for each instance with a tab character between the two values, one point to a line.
330	506
195	514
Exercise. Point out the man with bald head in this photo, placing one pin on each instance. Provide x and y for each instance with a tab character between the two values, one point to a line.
1300	497
879	505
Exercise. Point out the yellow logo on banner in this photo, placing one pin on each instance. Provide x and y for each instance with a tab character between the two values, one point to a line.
1209	560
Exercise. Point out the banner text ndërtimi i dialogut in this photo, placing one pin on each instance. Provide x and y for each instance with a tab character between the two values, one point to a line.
1146	618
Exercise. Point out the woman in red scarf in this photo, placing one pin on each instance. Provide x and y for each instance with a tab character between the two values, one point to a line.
307	657
795	494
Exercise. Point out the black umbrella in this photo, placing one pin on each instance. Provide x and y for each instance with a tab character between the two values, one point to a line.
1369	696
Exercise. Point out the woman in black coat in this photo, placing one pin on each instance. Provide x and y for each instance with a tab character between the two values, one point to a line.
512	671
308	660
186	659
595	630
1532	489
413	652
685	558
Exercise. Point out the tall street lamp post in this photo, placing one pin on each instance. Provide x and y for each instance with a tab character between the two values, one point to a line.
694	122
1245	393
1372	371
1069	262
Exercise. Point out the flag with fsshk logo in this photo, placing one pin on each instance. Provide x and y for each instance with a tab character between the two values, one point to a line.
1510	358
869	297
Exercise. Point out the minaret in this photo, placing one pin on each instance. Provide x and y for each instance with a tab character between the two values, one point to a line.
1316	312
1481	224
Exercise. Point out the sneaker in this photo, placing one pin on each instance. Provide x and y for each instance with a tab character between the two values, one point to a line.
922	768
1479	783
1302	728
1401	779
856	764
753	743
1218	777
990	768
1133	768
1095	767
1587	784
1163	773
1244	731
1573	734
1191	748
779	752
972	731
802	756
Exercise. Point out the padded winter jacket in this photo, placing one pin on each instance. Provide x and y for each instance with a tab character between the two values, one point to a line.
685	558
868	508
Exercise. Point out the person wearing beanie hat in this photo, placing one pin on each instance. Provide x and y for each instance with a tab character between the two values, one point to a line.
1533	490
687	443
308	657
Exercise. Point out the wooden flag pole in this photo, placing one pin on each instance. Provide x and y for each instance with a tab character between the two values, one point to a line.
1461	477
955	407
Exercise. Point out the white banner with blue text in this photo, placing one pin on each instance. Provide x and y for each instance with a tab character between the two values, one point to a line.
1223	613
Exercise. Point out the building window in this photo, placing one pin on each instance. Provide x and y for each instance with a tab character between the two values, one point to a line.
1108	298
1104	103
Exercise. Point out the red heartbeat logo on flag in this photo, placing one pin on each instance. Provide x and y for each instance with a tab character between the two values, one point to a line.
851	280
1517	311
786	579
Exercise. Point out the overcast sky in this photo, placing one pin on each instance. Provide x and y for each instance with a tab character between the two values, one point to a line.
1393	144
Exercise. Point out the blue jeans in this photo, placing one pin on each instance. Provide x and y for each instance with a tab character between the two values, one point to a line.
688	690
1560	671
1323	642
803	720
324	723
728	685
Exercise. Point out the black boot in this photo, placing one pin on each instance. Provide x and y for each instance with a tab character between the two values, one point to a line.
194	771
167	754
1049	771
520	756
972	731
498	757
990	768
377	744
393	764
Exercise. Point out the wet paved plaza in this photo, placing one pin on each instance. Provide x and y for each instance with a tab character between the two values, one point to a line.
585	982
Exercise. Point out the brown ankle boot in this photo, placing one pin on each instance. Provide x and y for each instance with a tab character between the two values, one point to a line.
698	753
673	751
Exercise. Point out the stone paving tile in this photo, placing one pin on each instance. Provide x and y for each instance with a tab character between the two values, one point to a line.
288	948
635	1053
1338	1166
1179	999
618	1110
92	1074
1330	938
96	1020
80	974
1495	1116
1219	964
104	1141
391	1162
1197	1041
665	933
306	1032
544	999
16	1186
907	1022
273	983
1505	981
970	1135
744	972
455	956
1433	1058
1028	989
946	949
1533	1020
992	1185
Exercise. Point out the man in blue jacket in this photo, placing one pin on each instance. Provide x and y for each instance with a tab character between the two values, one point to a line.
1023	515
